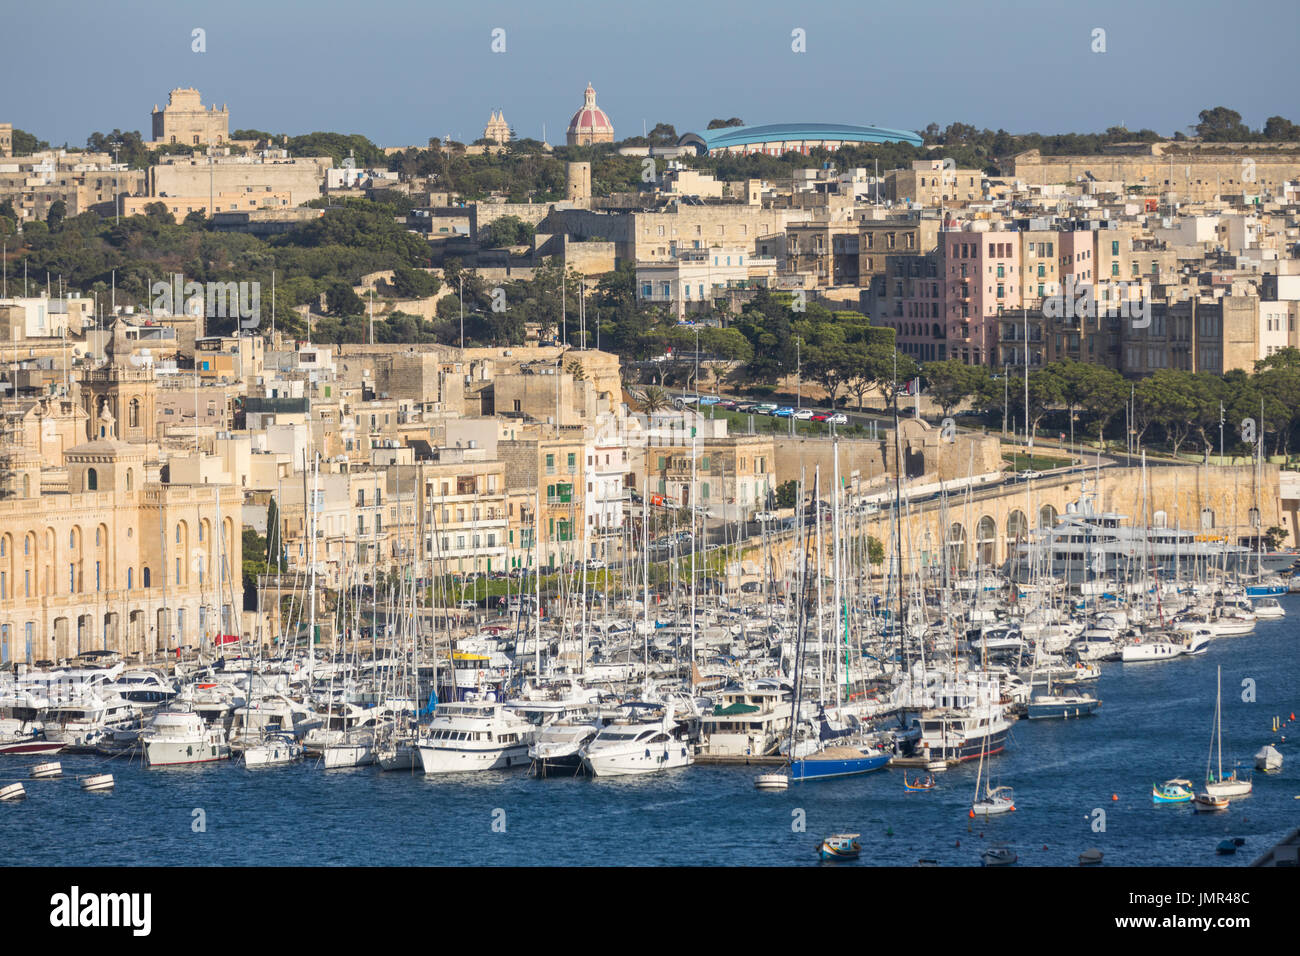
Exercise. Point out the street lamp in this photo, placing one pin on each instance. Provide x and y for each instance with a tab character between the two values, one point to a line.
461	297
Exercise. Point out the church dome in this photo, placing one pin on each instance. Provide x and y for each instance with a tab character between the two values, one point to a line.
590	124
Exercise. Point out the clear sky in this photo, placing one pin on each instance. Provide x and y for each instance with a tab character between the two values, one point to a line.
400	71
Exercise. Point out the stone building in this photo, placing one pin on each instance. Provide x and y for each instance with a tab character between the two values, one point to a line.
6	140
101	556
497	129
590	124
184	121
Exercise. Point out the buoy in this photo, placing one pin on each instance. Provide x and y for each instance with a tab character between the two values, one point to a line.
972	814
1114	796
1044	846
13	791
959	841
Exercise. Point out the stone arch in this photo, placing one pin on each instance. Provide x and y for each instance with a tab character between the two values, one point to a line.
986	539
955	546
1047	515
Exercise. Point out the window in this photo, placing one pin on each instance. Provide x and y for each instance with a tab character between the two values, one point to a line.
92	480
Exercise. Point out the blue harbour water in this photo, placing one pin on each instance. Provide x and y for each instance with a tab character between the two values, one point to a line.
1155	723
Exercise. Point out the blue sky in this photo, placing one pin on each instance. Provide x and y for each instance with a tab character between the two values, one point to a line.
400	71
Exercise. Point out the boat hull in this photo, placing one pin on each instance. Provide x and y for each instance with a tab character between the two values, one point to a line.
447	760
814	769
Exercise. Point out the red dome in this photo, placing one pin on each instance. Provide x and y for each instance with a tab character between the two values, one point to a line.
590	122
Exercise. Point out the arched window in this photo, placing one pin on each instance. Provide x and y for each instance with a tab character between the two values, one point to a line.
1047	517
957	547
130	479
144	577
986	533
1017	526
92	480
1160	519
133	414
27	486
128	578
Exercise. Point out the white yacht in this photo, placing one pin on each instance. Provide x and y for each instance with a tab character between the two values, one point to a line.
83	723
181	737
646	739
475	735
274	750
1268	609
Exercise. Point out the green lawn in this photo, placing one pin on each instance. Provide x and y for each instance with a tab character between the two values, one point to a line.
738	424
1019	462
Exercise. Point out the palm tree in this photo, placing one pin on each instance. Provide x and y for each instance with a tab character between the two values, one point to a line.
653	400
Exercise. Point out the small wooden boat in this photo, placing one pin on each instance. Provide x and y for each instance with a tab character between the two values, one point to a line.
1090	857
47	771
1209	803
1229	846
99	781
13	791
840	846
1172	791
918	784
772	781
998	856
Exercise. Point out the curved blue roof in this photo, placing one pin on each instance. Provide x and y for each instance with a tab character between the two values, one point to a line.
730	136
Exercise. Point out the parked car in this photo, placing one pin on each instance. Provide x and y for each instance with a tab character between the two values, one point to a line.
803	414
1027	474
595	564
469	605
839	418
709	400
727	404
765	516
746	406
766	408
820	417
785	411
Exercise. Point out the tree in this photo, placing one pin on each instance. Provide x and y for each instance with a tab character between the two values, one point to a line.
786	493
663	134
341	300
507	231
723	124
57	213
653	400
1279	128
950	382
1220	124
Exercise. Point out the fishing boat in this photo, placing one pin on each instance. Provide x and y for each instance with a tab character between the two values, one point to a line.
840	846
1235	784
1209	803
181	737
1268	759
771	781
1090	857
998	856
926	783
1172	791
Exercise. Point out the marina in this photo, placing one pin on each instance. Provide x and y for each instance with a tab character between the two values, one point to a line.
1154	726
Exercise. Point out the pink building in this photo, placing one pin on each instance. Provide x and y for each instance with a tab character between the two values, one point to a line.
981	278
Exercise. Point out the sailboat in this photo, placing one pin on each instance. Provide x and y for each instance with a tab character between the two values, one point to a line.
995	800
1218	785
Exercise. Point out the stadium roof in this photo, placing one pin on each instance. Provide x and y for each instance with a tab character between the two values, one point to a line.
731	136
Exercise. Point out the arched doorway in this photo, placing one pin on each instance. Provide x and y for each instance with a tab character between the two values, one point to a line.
1047	517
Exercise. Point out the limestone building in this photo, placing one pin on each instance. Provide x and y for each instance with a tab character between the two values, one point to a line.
497	129
590	124
184	121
